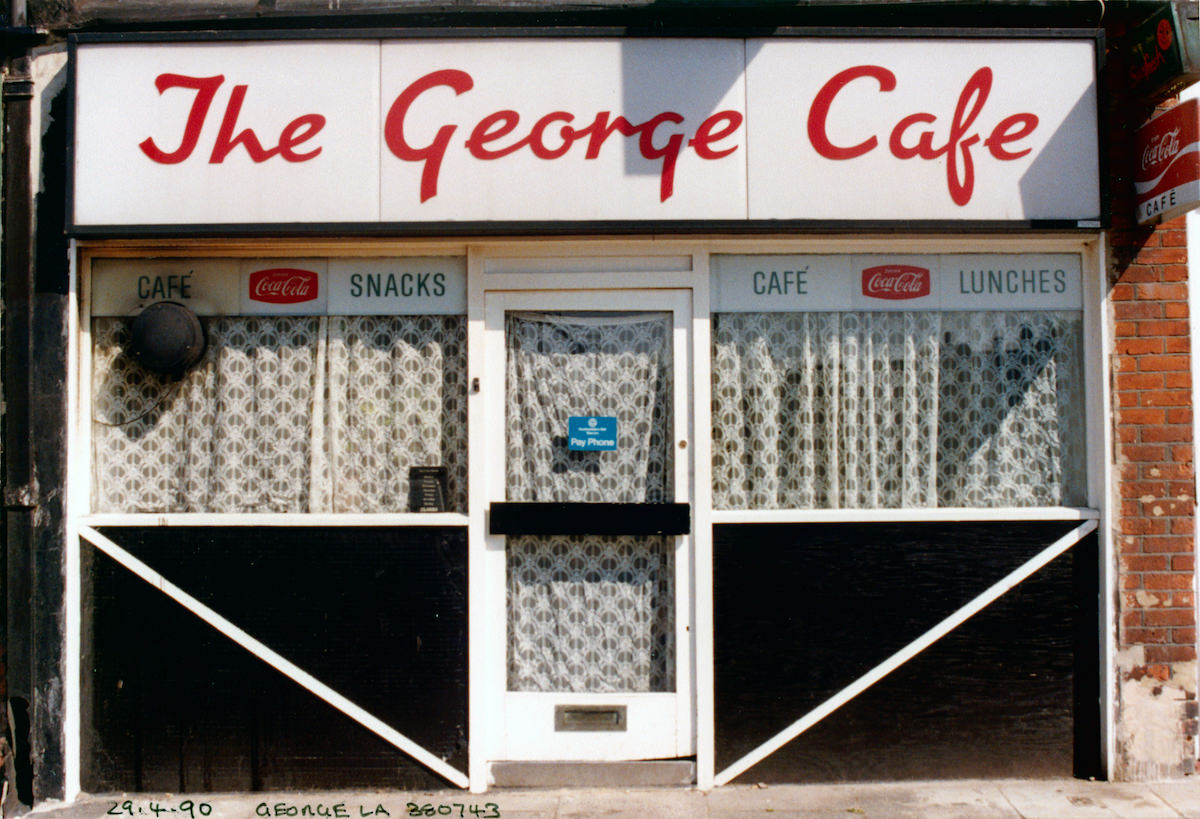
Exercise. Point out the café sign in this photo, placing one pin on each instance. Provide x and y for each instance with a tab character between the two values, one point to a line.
1167	176
421	131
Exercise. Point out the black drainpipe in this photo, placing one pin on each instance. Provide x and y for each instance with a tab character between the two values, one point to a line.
20	483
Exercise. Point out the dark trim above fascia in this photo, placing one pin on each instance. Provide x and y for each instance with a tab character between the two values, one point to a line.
550	31
627	228
650	17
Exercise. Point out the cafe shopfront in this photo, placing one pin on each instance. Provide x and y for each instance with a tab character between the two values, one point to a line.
544	410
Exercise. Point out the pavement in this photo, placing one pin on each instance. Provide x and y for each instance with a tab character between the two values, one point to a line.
954	799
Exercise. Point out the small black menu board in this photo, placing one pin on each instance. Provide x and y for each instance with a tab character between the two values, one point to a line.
427	489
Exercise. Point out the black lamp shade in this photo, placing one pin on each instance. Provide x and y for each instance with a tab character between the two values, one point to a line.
167	338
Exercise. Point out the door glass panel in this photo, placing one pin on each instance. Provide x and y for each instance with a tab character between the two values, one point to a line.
565	365
589	613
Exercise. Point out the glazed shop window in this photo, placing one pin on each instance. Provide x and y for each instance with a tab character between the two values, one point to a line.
283	413
895	408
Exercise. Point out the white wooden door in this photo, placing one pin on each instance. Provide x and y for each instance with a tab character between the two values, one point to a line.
589	481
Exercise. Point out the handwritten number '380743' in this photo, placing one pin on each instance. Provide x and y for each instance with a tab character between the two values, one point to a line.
489	810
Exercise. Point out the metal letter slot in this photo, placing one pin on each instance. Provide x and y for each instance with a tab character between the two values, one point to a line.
589	718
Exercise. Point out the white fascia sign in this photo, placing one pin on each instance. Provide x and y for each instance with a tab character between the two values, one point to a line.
584	130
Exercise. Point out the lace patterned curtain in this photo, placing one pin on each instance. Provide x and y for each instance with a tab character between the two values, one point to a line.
892	410
589	613
562	365
284	414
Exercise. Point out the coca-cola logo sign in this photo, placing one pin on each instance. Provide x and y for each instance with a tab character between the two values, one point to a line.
283	285
1160	149
896	281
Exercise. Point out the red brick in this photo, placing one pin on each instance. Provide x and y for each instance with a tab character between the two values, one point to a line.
1174	255
1176	309
1134	619
1173	273
1162	434
1174	472
1143	526
1138	346
1182	453
1125	400
1165	363
1139	489
1166	582
1183	563
1144	563
1144	453
1142	416
1170	508
1171	291
1183	636
1138	381
1183	526
1137	310
1125	291
1177	344
1170	654
1179	416
1166	398
1158	327
1169	617
1145	635
1157	545
1137	273
1177	381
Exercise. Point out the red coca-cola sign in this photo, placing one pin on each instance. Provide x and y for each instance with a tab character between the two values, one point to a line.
1168	163
896	281
283	285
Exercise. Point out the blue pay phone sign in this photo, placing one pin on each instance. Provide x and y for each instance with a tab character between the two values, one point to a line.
592	433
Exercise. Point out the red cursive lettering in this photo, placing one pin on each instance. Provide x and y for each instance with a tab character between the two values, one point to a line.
283	285
295	133
960	138
206	89
896	281
553	135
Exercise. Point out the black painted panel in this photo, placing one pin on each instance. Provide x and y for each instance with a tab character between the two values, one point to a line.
804	610
531	518
378	615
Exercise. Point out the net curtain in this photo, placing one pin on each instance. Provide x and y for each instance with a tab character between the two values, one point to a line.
588	613
284	414
897	410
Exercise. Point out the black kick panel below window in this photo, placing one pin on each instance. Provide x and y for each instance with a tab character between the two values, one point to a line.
802	611
379	615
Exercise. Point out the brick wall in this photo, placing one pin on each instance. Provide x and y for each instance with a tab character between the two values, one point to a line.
1155	490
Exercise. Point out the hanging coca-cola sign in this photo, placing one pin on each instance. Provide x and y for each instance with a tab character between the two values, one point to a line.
1167	176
